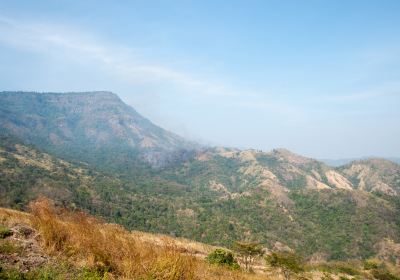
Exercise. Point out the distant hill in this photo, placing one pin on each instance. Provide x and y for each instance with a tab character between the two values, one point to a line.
344	161
89	126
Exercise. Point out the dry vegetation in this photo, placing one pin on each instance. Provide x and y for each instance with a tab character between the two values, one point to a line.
85	242
83	247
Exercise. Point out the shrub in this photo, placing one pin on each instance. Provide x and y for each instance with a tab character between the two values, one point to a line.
349	268
8	274
370	264
222	257
88	274
383	274
4	232
6	247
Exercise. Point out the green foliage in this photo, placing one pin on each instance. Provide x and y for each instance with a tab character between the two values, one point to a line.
248	251
285	260
43	273
248	248
288	262
384	274
88	274
178	200
336	267
53	272
4	232
222	257
336	225
370	264
7	247
8	274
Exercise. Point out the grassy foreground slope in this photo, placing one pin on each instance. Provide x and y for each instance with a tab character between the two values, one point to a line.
73	245
55	243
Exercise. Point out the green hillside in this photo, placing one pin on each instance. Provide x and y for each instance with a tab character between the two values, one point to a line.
212	198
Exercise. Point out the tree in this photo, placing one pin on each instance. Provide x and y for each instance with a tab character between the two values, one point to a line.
248	251
288	262
222	257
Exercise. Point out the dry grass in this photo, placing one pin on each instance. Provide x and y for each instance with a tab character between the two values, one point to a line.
9	217
106	247
86	242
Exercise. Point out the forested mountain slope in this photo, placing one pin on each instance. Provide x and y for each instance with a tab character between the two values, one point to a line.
87	126
215	200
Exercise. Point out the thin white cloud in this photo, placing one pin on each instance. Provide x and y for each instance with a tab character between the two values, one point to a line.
129	66
121	62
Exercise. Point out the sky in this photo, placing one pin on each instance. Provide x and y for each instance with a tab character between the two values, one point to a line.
320	78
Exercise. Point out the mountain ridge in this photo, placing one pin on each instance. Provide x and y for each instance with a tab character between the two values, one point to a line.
86	122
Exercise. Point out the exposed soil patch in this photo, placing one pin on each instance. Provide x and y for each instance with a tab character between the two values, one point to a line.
21	250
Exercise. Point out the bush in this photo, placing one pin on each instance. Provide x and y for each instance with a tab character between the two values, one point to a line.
222	257
383	274
370	264
6	247
349	268
4	232
88	274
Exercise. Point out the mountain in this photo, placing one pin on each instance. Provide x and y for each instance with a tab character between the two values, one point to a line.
374	175
344	161
86	126
86	150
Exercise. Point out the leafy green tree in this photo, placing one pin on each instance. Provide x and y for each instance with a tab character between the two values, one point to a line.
248	251
288	262
222	257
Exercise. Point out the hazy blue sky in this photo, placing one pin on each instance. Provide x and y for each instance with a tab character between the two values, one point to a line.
321	78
